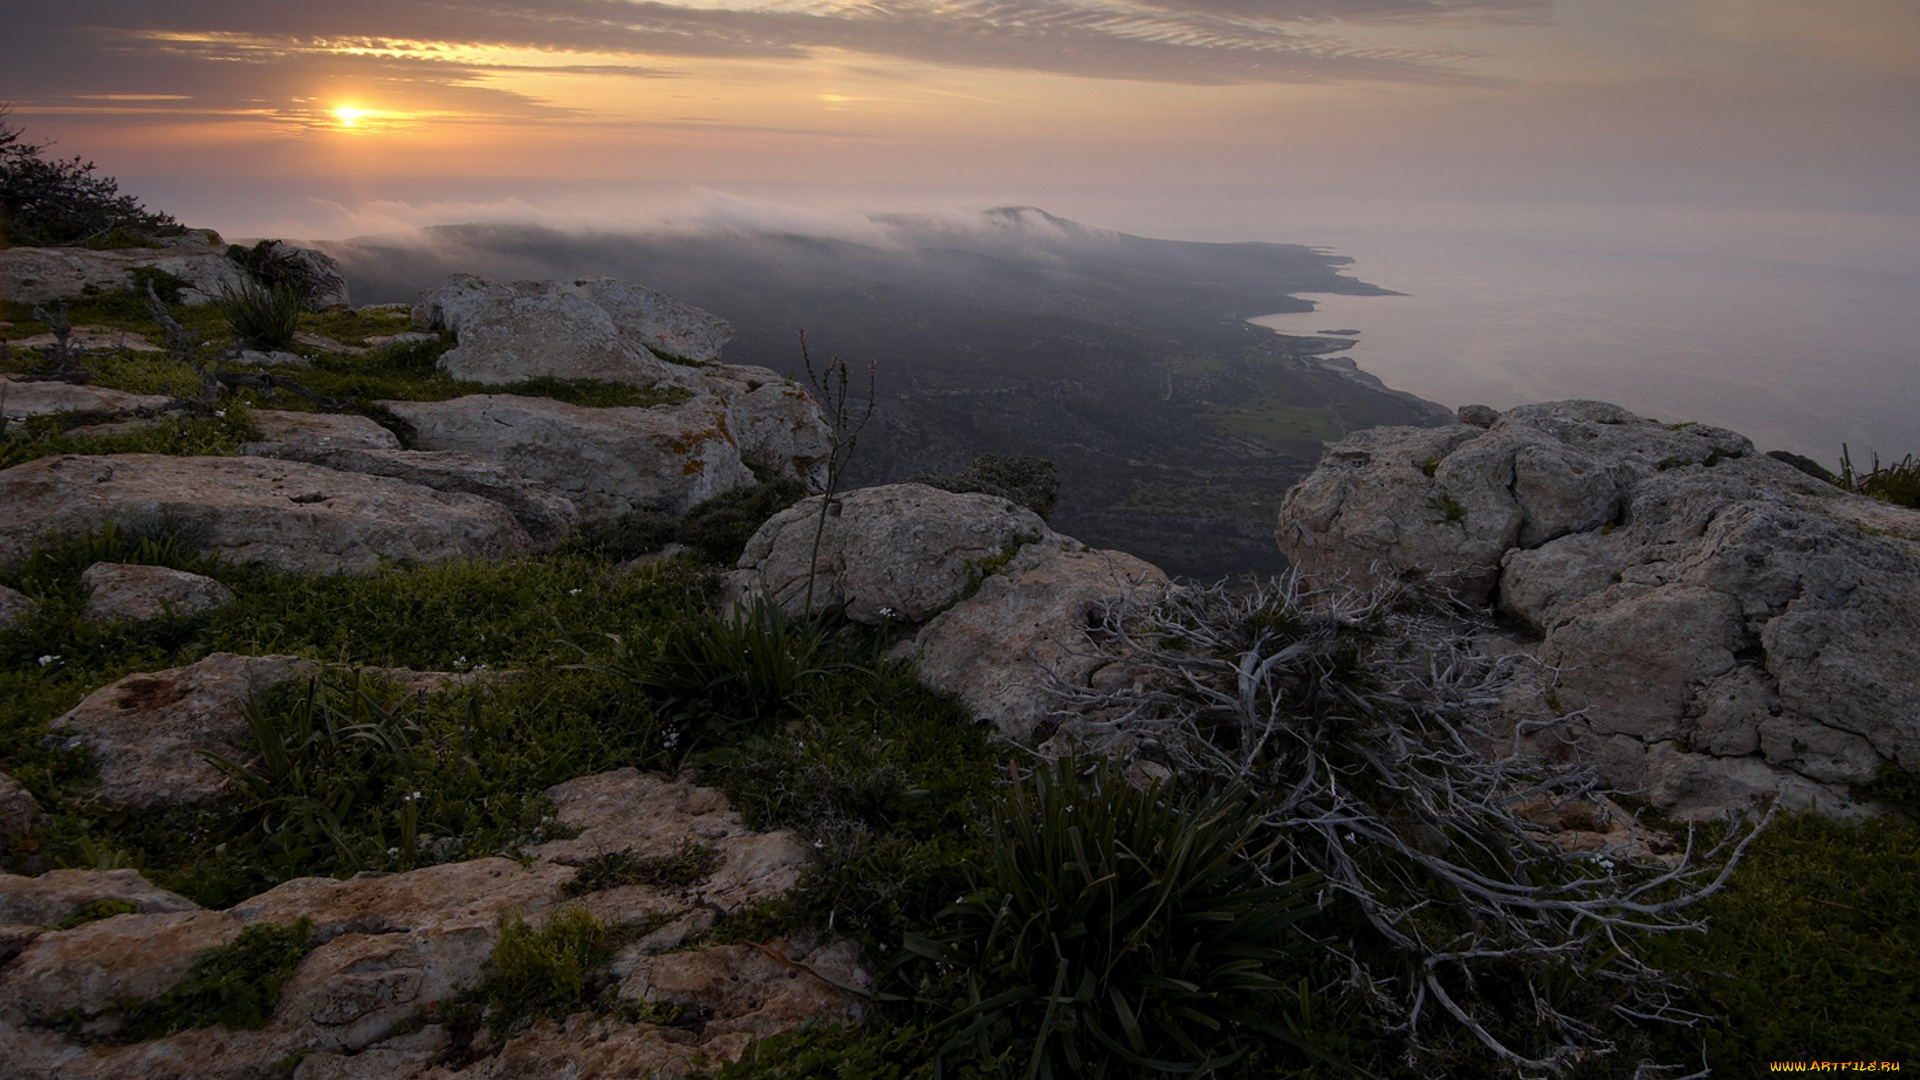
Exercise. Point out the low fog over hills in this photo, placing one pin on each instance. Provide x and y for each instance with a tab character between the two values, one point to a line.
1176	426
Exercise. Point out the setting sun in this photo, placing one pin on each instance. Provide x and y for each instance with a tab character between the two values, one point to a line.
348	114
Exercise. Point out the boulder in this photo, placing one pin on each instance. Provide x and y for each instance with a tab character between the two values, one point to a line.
544	515
590	328
775	423
605	461
15	607
283	514
1008	648
899	551
1725	627
146	732
127	592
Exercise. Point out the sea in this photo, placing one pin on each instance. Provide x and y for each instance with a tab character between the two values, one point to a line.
1801	332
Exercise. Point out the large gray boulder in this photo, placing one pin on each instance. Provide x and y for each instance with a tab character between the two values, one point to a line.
282	514
589	328
896	552
604	461
1724	628
1011	648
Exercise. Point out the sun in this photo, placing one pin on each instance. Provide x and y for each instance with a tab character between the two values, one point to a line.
348	114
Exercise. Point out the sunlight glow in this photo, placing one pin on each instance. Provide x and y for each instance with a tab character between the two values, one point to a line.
348	114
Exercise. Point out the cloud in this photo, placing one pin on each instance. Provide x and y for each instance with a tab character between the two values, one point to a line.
462	48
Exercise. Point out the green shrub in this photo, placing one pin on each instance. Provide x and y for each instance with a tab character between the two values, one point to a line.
720	527
1033	482
235	986
261	316
546	972
1898	483
690	864
1812	952
1118	929
55	202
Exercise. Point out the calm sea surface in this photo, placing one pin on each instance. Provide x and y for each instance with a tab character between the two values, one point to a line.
1799	349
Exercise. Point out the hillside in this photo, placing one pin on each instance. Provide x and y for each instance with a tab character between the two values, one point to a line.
1176	426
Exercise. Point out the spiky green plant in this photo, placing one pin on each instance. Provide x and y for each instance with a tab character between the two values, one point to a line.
262	316
1117	929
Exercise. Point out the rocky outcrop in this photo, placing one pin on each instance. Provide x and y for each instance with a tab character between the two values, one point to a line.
283	514
896	552
1009	648
391	949
604	461
40	275
146	732
1724	627
127	592
544	515
590	328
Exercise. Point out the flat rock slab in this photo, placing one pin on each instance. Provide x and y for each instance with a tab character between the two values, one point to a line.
391	949
544	515
128	592
22	398
604	461
90	339
39	275
321	431
15	607
283	514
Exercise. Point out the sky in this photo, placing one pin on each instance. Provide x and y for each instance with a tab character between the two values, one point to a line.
1171	117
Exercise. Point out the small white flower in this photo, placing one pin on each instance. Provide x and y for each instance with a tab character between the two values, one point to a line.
573	592
887	613
392	851
1606	864
1350	838
220	413
47	659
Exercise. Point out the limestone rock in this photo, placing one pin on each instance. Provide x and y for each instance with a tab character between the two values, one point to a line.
899	551
591	328
86	338
544	515
39	275
284	514
57	895
391	949
21	398
998	648
605	461
146	731
17	812
320	431
774	422
129	592
1728	628
15	607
